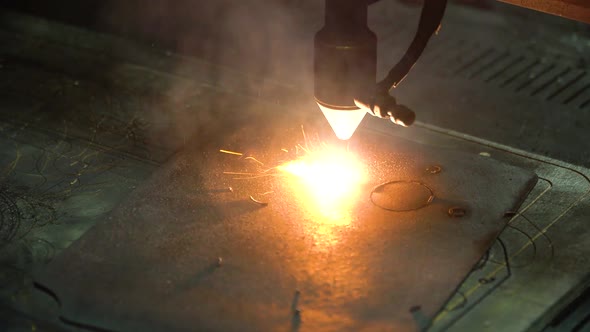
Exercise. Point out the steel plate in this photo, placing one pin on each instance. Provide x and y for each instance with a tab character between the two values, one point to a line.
183	254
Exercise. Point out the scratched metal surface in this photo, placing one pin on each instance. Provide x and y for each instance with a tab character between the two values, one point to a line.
539	263
151	264
53	188
542	279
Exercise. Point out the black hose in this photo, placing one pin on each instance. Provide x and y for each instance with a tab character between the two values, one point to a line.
430	18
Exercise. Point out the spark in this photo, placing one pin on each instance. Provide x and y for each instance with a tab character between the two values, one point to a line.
325	180
304	149
254	177
304	136
239	173
255	160
231	152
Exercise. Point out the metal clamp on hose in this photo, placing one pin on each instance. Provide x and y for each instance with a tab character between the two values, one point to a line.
345	65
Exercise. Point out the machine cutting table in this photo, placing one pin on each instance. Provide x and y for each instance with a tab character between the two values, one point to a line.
60	163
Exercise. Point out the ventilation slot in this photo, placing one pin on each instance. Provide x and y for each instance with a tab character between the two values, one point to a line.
488	65
525	70
519	73
534	77
553	80
483	55
504	69
577	94
566	85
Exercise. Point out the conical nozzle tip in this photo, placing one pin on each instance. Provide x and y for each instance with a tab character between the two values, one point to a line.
343	122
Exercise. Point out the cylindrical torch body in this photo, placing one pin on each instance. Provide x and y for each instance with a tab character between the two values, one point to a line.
345	57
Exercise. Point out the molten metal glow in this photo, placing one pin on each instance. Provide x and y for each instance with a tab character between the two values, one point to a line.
344	123
327	182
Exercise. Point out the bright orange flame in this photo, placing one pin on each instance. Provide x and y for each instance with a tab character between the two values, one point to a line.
327	181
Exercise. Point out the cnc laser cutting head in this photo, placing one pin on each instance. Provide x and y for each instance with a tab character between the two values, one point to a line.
345	66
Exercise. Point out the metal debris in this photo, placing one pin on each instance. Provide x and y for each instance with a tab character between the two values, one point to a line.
295	304
257	201
434	169
485	281
457	212
510	214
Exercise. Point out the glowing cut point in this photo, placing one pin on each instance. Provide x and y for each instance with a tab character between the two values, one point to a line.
343	122
328	181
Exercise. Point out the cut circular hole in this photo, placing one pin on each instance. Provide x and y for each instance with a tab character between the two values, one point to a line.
402	196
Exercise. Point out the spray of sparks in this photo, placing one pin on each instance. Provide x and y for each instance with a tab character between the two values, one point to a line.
325	178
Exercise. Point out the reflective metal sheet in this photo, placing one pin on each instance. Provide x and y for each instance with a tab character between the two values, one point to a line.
181	254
